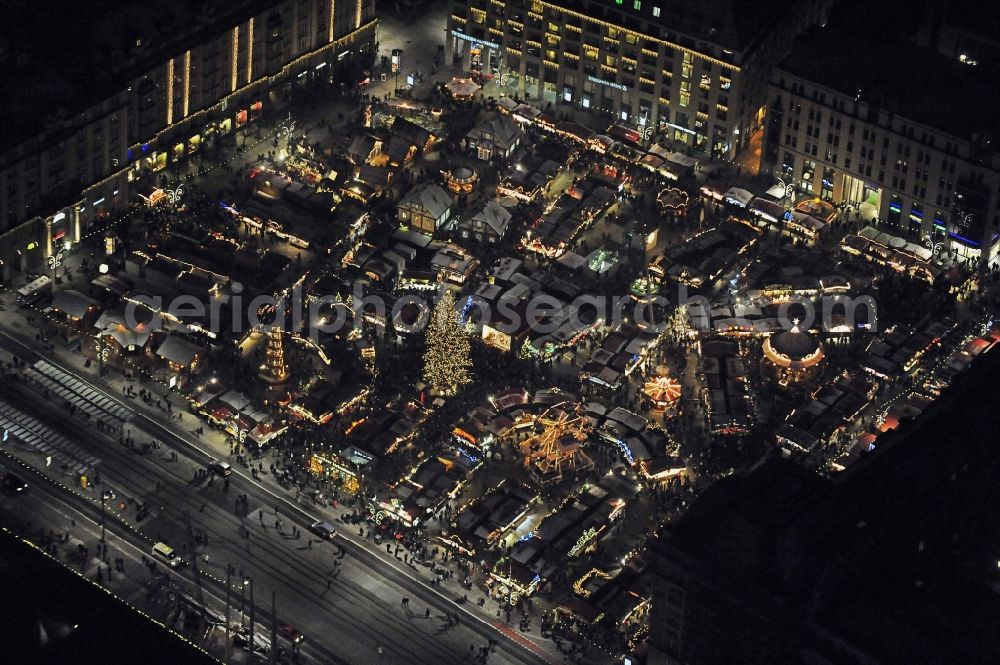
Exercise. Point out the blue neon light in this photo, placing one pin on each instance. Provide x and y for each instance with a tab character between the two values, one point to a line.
956	236
464	452
625	451
463	316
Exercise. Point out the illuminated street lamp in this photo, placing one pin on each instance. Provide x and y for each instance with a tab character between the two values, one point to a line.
286	129
395	62
174	195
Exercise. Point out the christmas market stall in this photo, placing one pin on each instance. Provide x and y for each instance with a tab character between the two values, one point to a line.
487	520
573	529
424	491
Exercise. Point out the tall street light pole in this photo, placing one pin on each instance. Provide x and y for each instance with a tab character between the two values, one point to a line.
229	639
103	499
249	582
396	62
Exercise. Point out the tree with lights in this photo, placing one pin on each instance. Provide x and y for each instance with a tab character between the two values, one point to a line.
447	356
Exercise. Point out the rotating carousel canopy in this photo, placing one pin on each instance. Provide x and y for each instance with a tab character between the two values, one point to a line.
461	179
663	390
672	199
462	88
793	349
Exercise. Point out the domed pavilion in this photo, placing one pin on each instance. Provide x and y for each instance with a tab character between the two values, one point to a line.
793	357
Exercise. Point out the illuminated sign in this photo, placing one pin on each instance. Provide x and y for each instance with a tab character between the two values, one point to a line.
470	38
610	84
679	128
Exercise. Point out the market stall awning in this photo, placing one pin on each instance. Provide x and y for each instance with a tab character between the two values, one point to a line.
462	87
626	134
738	196
577	131
767	209
507	104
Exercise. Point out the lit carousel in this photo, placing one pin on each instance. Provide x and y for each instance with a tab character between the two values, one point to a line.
461	179
793	357
673	201
662	390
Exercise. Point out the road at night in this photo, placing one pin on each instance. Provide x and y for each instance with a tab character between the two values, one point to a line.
346	622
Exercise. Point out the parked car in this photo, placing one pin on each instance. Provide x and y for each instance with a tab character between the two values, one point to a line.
324	530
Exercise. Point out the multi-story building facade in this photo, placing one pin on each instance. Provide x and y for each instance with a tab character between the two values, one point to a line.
907	135
694	71
85	127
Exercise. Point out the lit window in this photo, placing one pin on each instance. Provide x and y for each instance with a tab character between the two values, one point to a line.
656	12
685	99
637	4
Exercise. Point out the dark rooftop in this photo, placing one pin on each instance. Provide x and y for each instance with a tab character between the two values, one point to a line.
913	82
897	556
58	57
794	343
42	597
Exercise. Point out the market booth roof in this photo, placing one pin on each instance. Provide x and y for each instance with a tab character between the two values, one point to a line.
462	87
738	196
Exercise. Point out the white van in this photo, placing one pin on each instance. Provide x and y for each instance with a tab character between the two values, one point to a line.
166	554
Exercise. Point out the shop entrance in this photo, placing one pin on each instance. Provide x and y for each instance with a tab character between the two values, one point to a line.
857	191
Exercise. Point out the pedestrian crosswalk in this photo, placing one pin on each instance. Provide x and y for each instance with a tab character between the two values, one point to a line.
90	401
21	427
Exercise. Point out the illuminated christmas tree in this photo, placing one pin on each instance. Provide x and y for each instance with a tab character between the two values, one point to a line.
447	357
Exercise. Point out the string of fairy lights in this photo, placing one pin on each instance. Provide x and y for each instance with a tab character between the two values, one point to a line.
122	523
